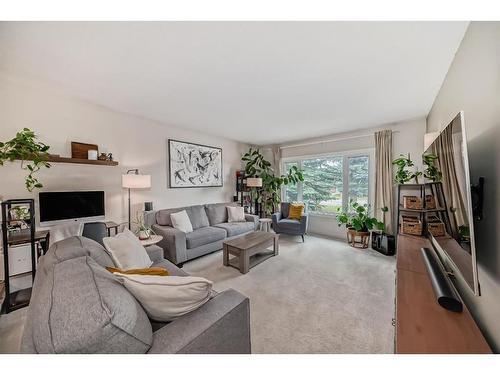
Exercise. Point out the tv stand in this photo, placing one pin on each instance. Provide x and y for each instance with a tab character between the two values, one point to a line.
422	325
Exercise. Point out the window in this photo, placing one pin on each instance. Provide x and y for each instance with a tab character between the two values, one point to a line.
290	191
330	182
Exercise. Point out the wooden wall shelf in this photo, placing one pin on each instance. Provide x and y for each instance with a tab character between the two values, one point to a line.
60	159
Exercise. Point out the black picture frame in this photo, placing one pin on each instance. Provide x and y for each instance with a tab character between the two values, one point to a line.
171	169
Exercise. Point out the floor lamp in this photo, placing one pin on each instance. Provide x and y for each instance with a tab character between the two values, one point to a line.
133	180
255	182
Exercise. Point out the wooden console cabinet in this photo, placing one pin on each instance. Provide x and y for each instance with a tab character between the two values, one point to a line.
422	325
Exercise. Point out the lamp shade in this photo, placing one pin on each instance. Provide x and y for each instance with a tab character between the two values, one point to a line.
136	181
254	182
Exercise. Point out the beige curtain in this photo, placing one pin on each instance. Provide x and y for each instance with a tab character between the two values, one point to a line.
276	159
383	178
443	148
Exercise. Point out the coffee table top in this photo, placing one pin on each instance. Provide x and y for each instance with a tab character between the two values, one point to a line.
251	239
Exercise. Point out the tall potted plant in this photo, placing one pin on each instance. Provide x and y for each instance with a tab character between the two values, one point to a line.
270	194
32	154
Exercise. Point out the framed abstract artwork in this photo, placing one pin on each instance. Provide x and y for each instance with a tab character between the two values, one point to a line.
192	165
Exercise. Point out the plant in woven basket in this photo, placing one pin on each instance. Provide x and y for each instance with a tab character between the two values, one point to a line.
431	172
403	174
33	155
358	217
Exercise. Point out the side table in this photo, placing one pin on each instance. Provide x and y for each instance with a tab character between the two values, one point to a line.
265	224
152	240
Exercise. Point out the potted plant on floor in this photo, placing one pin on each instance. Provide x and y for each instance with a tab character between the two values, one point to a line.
358	223
382	242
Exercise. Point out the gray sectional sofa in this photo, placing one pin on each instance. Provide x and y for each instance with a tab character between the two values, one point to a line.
210	230
77	306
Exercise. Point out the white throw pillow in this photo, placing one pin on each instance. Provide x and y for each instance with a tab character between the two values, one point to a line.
167	297
180	220
127	251
235	214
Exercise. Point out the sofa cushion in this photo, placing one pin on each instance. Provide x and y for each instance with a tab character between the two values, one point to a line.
82	308
289	223
75	247
196	215
217	212
203	236
233	229
127	251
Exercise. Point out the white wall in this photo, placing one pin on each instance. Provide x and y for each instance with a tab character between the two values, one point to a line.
473	85
135	142
408	137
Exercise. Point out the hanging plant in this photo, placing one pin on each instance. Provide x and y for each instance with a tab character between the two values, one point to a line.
403	174
431	172
257	166
33	155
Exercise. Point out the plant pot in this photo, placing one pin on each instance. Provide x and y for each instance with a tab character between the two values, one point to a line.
358	239
144	235
384	243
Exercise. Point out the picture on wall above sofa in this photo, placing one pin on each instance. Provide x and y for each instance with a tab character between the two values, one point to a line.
194	165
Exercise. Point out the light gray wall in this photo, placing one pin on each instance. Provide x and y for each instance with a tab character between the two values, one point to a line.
473	85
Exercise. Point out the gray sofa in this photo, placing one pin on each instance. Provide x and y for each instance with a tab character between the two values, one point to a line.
210	230
77	306
281	223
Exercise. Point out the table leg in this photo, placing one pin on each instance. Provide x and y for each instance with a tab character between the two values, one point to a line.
244	261
276	245
225	255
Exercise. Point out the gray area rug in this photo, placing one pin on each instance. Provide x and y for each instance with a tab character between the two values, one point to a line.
321	296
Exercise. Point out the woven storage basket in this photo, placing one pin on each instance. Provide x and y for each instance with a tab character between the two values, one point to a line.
411	225
435	226
430	202
412	202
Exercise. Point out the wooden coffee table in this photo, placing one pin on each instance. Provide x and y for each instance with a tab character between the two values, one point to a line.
250	250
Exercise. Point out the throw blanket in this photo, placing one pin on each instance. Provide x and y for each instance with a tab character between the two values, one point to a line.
62	231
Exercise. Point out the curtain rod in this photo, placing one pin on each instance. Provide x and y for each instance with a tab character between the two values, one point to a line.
330	140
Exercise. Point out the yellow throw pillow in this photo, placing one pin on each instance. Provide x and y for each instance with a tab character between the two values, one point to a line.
295	211
152	271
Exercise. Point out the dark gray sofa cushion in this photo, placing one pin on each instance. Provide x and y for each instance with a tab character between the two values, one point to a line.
196	215
203	236
82	308
289	223
217	212
234	229
75	247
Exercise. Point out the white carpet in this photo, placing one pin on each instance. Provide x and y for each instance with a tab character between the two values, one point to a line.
321	296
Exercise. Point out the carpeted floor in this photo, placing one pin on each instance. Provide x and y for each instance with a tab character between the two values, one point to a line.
321	296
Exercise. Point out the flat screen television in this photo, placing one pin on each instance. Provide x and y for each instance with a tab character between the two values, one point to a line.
70	205
457	246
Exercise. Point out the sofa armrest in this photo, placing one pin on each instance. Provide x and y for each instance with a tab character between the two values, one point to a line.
155	253
173	243
220	326
252	218
276	217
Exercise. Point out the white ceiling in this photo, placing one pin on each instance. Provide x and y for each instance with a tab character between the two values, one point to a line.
255	82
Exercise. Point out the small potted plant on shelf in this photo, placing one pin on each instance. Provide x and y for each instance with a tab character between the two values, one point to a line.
431	172
382	242
143	231
358	223
403	174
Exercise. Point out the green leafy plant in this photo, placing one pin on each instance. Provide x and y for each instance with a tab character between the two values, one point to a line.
403	175
431	172
141	226
20	212
358	217
384	210
33	155
257	166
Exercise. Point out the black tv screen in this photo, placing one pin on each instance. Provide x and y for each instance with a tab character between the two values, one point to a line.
70	205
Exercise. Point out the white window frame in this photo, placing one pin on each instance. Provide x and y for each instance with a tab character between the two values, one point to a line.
370	152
